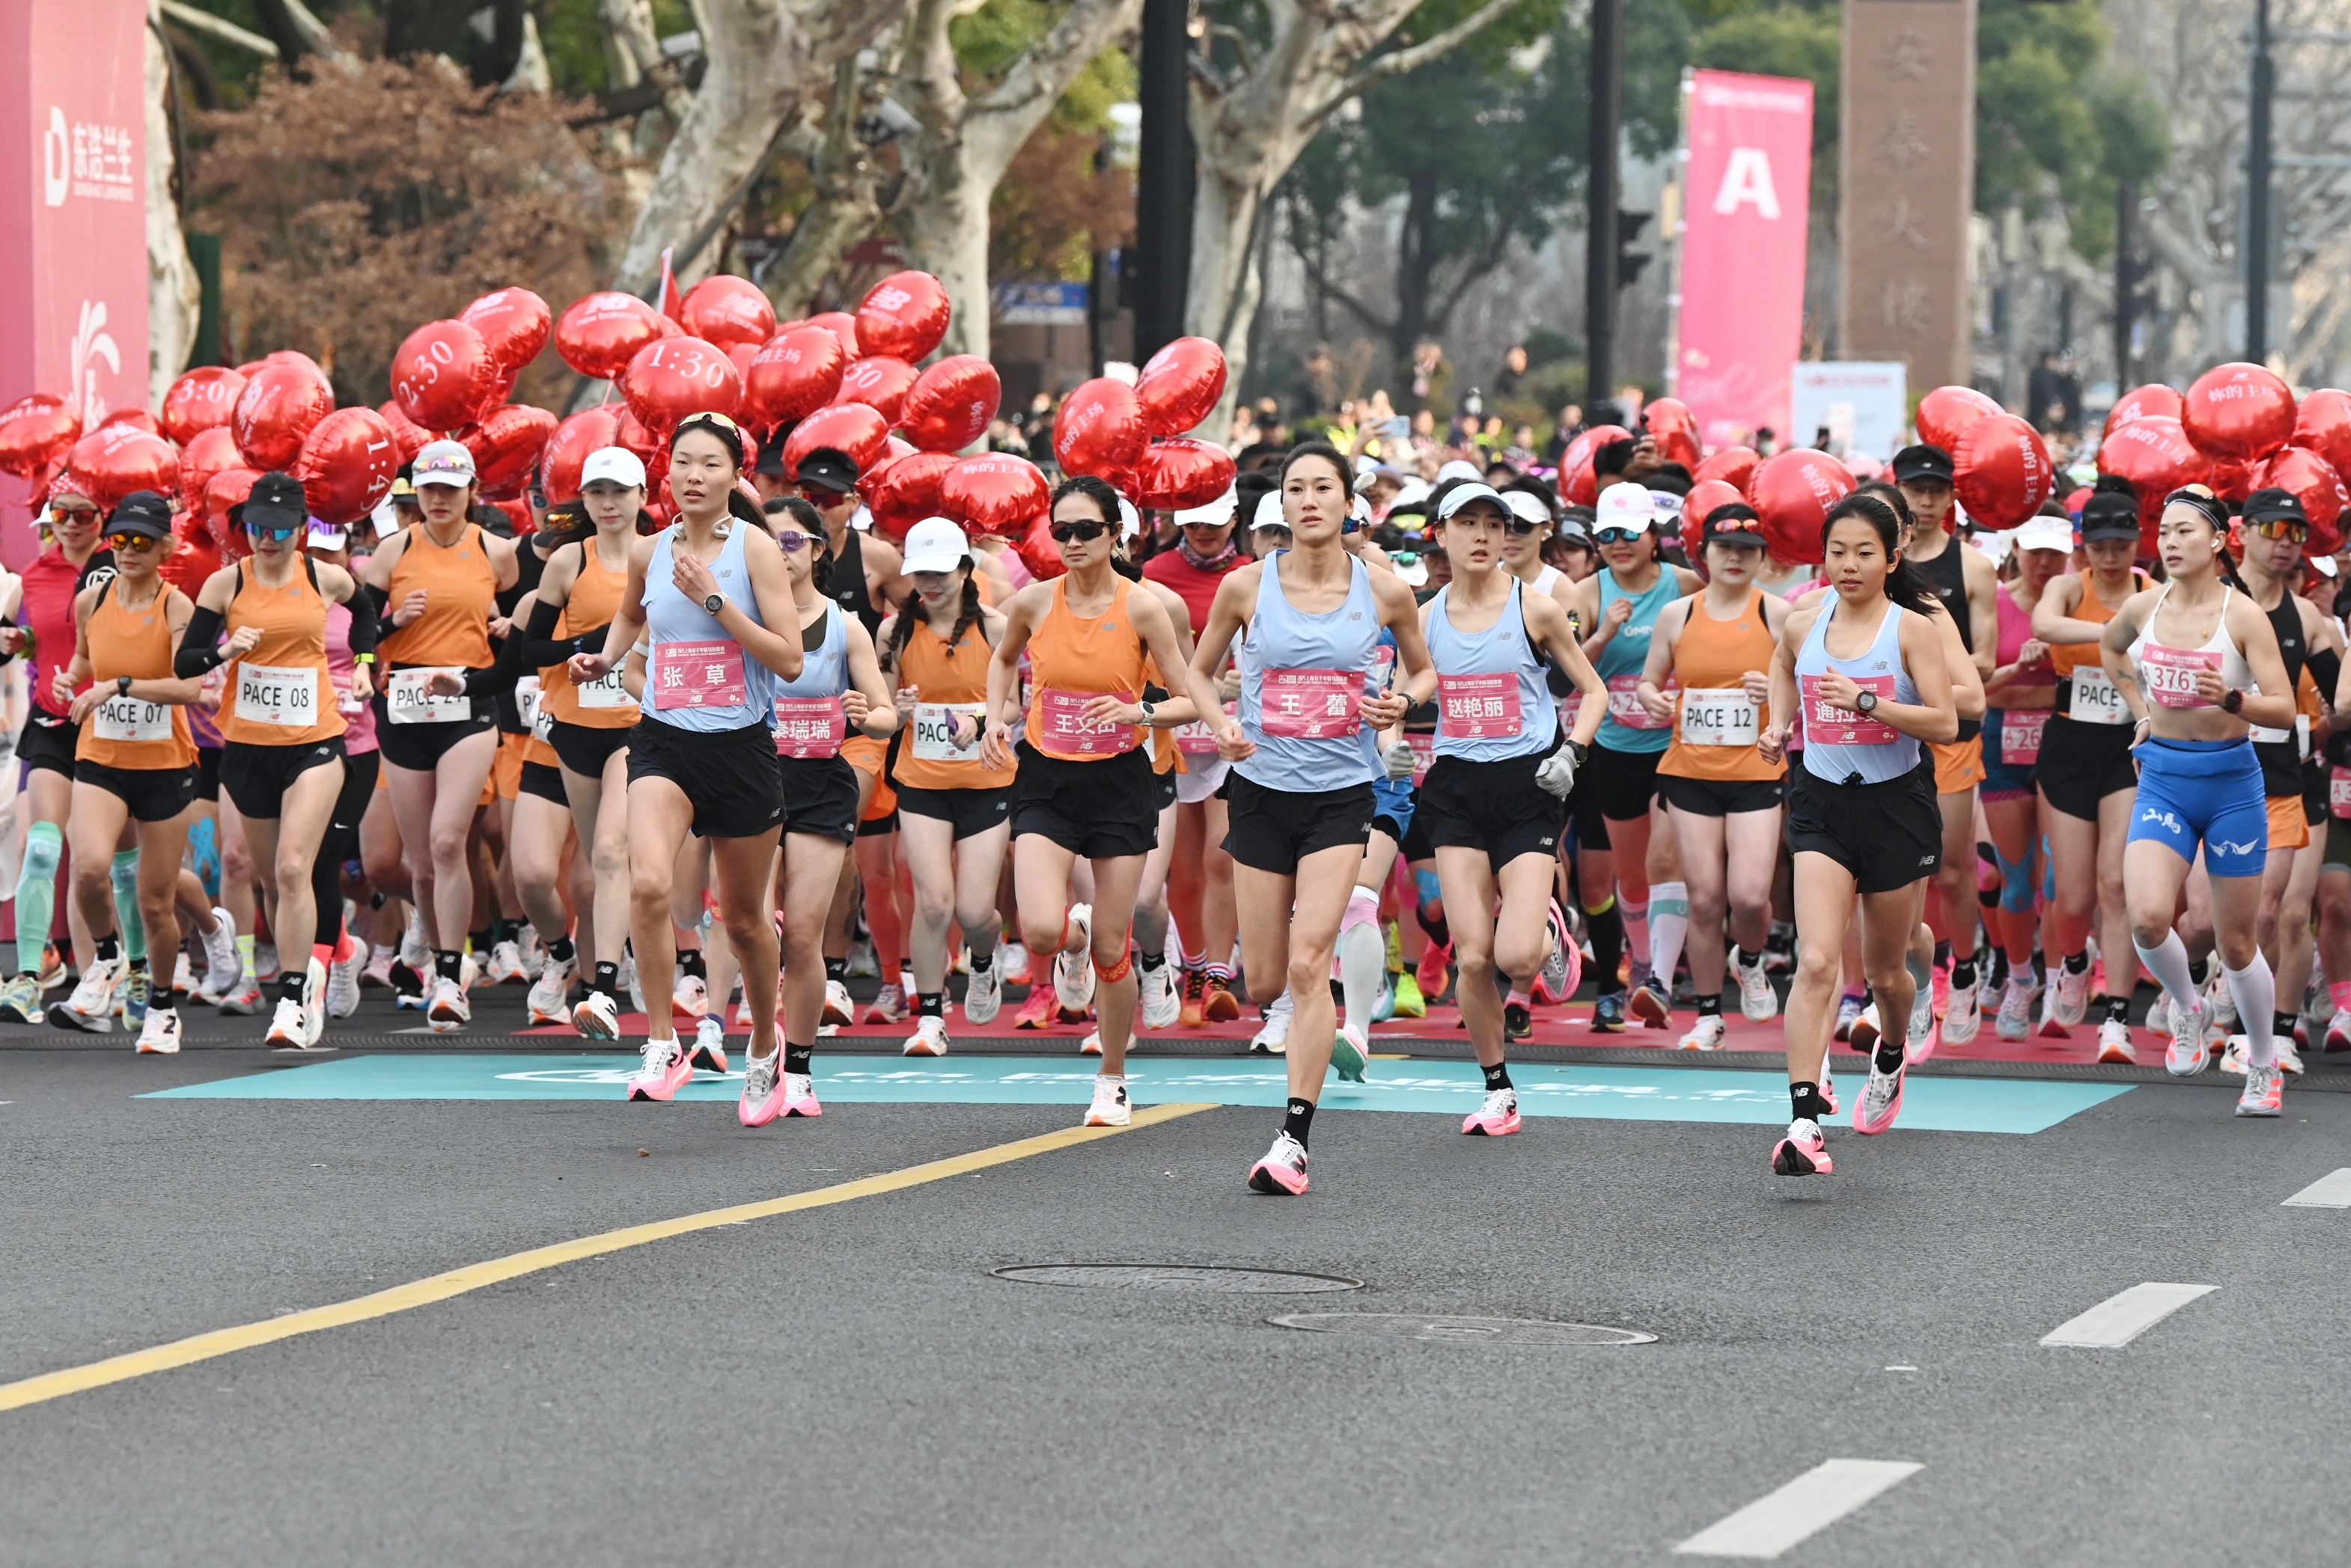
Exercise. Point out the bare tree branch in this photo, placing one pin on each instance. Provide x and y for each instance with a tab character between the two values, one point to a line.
219	27
1412	59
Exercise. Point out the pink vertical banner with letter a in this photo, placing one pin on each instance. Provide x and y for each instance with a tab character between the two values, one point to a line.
1742	264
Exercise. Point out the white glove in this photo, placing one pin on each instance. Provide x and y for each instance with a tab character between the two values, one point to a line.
1399	762
1556	773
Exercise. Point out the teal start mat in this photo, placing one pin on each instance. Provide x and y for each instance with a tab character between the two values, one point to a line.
1449	1088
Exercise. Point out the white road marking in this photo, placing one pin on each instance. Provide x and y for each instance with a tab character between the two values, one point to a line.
2123	1317
1810	1503
2330	1191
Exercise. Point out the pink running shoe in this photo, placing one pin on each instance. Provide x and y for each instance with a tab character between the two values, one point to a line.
1283	1169
1430	973
800	1095
762	1089
1497	1118
1037	1012
1803	1152
668	1068
1828	1089
1923	1050
1881	1099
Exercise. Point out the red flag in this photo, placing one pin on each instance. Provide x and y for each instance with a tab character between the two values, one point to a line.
669	296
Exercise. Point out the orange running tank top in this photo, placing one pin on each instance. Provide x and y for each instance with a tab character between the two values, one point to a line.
279	694
2064	657
461	592
128	732
1714	725
948	682
594	600
1072	661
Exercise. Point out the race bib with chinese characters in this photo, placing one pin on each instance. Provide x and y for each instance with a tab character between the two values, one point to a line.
809	727
2171	673
1478	707
1062	721
1197	739
606	691
1825	724
2096	698
936	726
129	719
272	693
1718	716
407	700
1310	705
1625	705
698	674
1424	752
2019	737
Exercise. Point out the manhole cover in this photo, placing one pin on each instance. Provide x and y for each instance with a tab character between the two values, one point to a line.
1462	1331
1206	1279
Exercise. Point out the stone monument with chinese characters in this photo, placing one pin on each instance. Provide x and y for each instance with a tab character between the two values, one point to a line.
1907	169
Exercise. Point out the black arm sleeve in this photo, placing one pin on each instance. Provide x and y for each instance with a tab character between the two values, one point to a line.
2325	668
200	645
364	625
379	597
538	646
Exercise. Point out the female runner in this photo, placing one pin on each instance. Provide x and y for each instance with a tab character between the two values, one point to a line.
702	759
1721	796
282	761
346	955
1494	799
2084	773
2198	664
588	726
135	762
2022	693
436	717
1300	796
1085	786
839	688
1873	675
954	812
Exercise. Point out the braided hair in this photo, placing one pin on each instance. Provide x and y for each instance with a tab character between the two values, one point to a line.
910	611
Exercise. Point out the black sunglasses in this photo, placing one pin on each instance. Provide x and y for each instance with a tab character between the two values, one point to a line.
1083	529
1518	526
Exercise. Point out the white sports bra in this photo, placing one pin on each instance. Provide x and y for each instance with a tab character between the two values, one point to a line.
2234	671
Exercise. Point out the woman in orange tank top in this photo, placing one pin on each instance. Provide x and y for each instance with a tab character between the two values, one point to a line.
1085	784
436	718
1715	649
135	762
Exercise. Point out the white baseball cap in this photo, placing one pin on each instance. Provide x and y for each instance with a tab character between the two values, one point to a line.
1527	508
1217	511
1624	505
442	462
1130	521
935	544
1459	469
328	535
1268	512
1461	496
616	464
2044	533
1412	497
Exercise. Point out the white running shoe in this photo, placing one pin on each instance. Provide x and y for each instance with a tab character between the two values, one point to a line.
1708	1034
288	1031
2237	1058
1159	1002
2338	1031
838	1007
314	1002
1865	1029
159	1035
1756	1001
550	994
1273	1038
863	963
1013	963
183	975
929	1038
1922	1007
1849	1011
412	950
888	1006
450	1010
505	963
2069	996
983	994
1091	1044
632	982
2186	1057
2265	1092
343	983
267	968
2220	1006
1074	968
90	1009
245	999
1110	1108
691	995
1963	1013
2158	1014
534	951
2115	1044
710	1043
598	1016
2015	1020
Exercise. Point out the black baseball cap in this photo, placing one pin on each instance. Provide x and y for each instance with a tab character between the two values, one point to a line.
2275	506
828	468
1922	462
2109	515
276	502
771	460
142	512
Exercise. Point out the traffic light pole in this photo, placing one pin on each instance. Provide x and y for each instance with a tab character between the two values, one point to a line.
1601	196
1163	196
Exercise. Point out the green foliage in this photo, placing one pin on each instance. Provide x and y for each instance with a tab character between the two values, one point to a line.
1786	40
990	40
574	42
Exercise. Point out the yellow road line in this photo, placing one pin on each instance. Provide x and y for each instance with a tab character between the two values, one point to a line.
475	1276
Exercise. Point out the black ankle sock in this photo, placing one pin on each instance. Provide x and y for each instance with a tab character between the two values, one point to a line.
2282	1025
109	948
930	1004
1153	961
690	961
1299	1119
480	940
836	969
2118	1009
796	1057
1436	930
1607	932
983	962
1890	1056
562	950
1805	1102
1942	954
501	929
1999	975
607	980
449	966
2078	963
1710	1007
289	988
1963	972
1498	1076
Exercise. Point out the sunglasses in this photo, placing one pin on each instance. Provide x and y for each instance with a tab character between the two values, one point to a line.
1735	525
131	541
73	516
1080	531
259	532
1517	527
789	541
2280	528
1618	535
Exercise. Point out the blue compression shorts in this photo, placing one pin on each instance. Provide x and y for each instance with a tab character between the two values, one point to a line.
2207	792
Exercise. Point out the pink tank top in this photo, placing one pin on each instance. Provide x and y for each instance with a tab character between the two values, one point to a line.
2015	630
359	717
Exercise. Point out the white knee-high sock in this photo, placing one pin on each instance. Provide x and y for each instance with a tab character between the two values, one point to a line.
2168	964
1363	959
1668	924
2254	990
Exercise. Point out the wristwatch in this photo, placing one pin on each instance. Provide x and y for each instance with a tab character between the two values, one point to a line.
2233	700
1147	712
713	603
1865	702
123	687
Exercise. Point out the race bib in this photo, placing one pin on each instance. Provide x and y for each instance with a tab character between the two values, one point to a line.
1478	707
1310	705
347	699
526	694
2096	698
272	693
809	727
2299	735
1825	724
1625	705
606	691
131	719
2338	793
698	674
1197	739
1720	716
2019	737
406	700
1569	706
1061	719
1424	752
2172	673
935	731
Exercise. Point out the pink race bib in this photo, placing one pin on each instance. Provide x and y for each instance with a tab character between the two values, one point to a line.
1478	707
1310	705
2172	673
1625	703
1067	732
698	674
1424	752
1825	724
2338	793
1197	739
809	727
2019	737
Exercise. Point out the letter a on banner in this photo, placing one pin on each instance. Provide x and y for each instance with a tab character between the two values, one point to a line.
1747	179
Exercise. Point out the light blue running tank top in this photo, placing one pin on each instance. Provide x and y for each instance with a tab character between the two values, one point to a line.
1877	758
1500	649
1282	637
672	617
824	672
1627	654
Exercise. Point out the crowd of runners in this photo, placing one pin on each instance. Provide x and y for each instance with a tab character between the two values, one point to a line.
1243	755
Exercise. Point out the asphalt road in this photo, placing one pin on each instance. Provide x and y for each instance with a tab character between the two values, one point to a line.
852	1384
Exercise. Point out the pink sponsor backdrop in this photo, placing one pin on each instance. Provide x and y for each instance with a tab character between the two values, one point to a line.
73	215
1742	261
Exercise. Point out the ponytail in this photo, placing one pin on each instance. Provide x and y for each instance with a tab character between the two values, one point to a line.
1904	586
